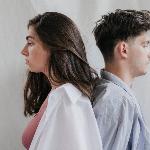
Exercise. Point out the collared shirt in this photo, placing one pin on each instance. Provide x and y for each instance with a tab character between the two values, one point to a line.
118	115
68	122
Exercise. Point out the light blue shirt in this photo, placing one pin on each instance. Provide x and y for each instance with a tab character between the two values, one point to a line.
118	115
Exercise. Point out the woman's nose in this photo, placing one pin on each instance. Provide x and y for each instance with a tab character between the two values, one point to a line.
24	51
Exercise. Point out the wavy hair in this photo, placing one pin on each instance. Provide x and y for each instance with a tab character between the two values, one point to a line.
67	60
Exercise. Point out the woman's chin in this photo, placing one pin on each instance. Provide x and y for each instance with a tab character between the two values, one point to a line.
32	70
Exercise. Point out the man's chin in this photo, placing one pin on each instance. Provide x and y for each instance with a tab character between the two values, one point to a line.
143	73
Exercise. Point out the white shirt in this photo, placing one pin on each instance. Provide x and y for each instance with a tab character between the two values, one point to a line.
68	122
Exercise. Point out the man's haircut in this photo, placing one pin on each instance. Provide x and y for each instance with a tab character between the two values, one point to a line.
119	26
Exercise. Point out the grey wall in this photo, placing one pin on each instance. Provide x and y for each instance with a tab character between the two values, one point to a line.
13	19
14	15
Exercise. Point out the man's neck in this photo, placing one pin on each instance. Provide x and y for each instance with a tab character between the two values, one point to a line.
120	72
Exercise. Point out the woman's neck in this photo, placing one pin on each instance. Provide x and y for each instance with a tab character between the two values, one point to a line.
53	82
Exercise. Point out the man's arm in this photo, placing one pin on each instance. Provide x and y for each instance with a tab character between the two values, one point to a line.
115	119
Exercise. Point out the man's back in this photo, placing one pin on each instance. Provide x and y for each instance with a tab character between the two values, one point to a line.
118	115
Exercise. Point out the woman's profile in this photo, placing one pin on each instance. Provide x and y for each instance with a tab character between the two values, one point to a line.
59	87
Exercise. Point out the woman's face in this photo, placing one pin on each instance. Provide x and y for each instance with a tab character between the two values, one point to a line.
36	55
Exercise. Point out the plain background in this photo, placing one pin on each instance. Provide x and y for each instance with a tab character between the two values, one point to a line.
14	16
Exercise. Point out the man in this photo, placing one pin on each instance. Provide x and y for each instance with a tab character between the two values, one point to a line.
123	38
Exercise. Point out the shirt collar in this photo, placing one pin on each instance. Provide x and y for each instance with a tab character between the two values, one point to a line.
116	80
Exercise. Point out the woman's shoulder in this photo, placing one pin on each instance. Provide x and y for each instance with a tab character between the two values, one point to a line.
66	92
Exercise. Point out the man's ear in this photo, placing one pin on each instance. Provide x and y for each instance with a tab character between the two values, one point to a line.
121	50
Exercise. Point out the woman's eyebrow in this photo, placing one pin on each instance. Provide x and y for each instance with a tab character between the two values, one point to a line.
28	37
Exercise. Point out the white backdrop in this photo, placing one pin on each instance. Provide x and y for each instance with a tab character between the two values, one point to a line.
14	15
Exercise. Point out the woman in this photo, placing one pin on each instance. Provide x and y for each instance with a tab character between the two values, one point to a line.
58	88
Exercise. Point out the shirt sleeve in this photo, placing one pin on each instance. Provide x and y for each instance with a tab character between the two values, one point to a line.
115	119
71	125
140	135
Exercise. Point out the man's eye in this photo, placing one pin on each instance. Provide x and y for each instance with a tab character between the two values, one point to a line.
146	44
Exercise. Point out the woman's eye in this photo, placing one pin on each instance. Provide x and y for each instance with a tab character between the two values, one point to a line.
29	44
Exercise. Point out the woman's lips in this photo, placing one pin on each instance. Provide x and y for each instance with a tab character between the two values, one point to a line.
27	62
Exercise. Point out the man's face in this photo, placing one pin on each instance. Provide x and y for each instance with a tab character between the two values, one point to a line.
139	54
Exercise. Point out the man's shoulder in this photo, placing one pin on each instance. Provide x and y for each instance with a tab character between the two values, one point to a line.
107	88
110	99
107	92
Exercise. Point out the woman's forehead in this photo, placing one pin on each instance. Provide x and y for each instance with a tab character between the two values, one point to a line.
31	34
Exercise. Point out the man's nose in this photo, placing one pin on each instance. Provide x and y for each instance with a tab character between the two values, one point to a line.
149	56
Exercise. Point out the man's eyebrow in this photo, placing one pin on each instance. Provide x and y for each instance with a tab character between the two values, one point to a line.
27	37
147	42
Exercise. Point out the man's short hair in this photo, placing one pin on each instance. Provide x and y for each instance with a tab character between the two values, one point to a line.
119	26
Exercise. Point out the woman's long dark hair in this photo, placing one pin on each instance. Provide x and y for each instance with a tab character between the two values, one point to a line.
67	62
